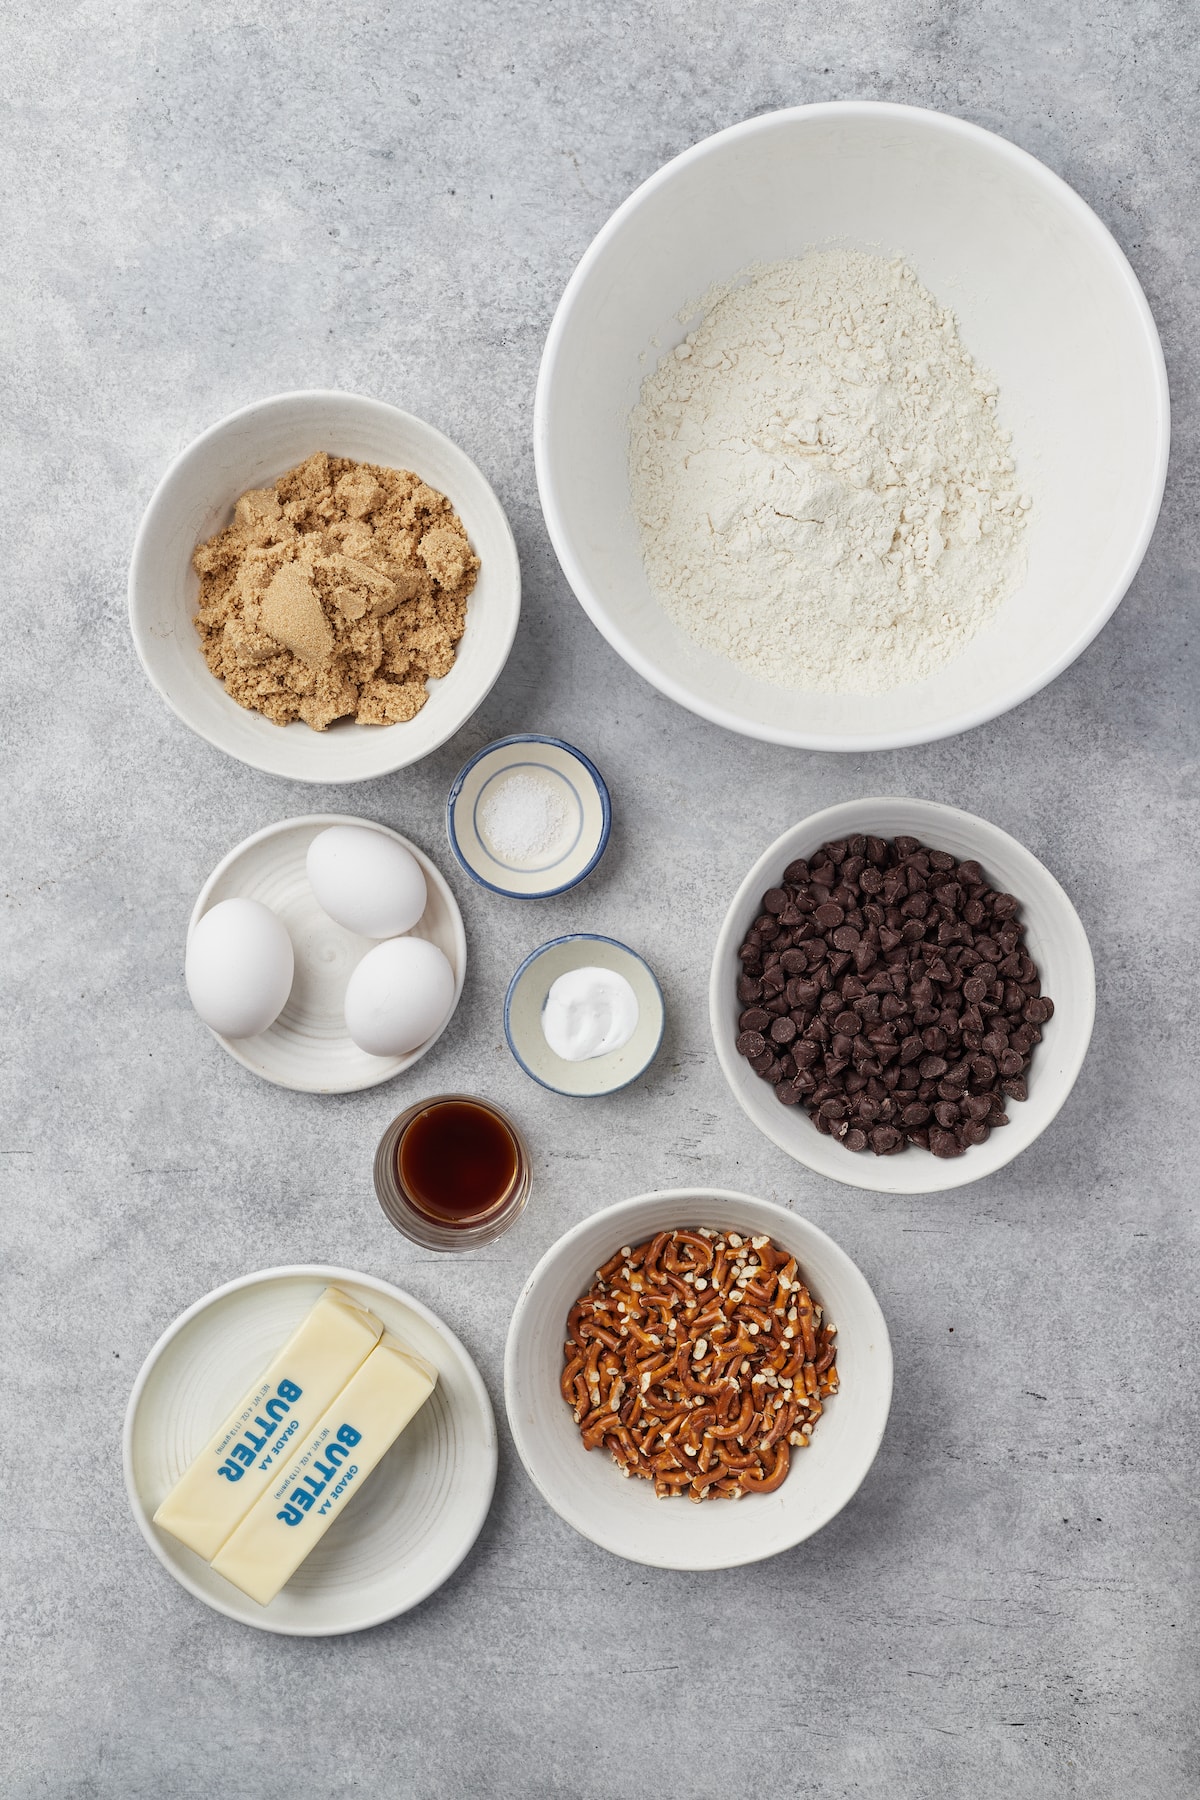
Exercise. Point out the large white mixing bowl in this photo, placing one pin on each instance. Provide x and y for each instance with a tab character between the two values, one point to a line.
1045	301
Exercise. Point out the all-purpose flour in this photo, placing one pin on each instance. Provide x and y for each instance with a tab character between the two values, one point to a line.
824	493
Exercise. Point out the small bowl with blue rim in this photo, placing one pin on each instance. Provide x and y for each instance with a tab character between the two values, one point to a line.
526	1000
529	817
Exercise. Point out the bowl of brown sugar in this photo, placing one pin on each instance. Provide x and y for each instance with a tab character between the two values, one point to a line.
324	587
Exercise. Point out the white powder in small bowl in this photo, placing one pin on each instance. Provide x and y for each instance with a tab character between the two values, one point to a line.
523	819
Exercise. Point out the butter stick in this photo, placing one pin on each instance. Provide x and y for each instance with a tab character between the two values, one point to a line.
297	1510
262	1433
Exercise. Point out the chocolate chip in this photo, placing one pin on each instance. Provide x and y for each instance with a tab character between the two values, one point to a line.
885	1140
888	989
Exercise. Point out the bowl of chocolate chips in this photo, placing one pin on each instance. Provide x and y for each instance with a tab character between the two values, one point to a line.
901	995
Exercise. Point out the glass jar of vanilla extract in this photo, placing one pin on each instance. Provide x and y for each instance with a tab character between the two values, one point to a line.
452	1173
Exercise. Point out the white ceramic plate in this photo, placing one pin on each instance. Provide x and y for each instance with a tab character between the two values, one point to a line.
1055	939
570	780
195	498
416	1517
622	1515
1046	303
526	997
308	1046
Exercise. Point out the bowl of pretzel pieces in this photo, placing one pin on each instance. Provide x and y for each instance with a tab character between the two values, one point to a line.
697	1345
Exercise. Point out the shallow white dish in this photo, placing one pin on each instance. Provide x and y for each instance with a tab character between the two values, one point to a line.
1045	301
414	1520
195	498
1055	939
585	1487
570	779
595	1075
308	1046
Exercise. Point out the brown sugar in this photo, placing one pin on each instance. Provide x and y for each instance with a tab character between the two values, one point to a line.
338	592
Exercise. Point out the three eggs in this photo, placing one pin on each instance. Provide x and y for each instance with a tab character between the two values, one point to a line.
240	962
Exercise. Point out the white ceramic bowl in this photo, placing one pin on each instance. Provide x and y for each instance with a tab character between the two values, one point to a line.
196	497
416	1517
308	1046
527	991
1055	939
1045	300
573	785
585	1487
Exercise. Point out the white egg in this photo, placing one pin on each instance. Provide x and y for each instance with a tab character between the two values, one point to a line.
366	881
239	967
398	996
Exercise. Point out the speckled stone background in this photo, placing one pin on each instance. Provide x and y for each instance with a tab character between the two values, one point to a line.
204	205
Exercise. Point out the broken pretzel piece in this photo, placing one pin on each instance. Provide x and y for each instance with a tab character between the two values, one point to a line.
700	1361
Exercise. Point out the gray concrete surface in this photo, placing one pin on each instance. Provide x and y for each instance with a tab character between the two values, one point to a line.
206	205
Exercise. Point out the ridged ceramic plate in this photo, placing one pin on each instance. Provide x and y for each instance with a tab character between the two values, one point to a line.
414	1520
308	1046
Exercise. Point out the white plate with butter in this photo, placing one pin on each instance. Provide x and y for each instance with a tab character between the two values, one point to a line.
413	1521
